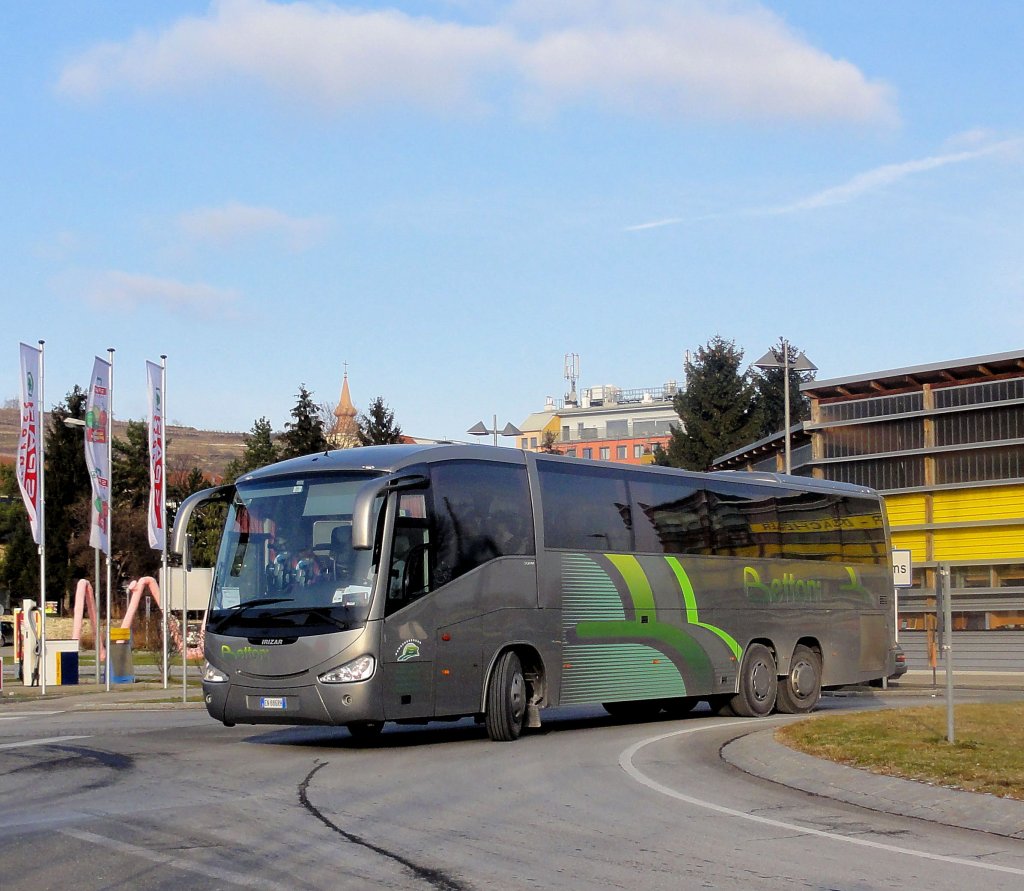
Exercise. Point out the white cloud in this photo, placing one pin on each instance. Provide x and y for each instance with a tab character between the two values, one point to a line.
667	57
232	223
115	289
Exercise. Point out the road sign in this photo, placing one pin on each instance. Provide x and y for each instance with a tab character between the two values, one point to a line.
902	568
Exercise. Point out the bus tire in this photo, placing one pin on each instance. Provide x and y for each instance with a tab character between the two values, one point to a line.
364	729
506	699
759	683
800	690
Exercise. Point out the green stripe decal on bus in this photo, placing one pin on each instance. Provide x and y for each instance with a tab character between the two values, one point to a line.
691	607
638	584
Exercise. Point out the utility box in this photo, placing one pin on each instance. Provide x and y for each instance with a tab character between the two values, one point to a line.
61	663
122	671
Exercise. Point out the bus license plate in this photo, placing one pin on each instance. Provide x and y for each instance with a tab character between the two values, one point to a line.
273	702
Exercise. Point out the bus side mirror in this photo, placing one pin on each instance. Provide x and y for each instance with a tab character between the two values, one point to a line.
363	509
179	531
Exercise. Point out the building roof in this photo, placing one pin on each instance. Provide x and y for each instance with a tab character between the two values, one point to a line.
914	377
537	421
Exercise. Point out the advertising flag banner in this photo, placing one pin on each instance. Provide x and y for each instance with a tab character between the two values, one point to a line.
97	454
29	467
157	489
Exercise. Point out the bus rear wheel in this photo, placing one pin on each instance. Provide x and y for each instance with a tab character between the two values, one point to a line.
759	683
506	699
800	690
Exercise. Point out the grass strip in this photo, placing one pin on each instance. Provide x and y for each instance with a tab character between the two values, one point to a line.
987	755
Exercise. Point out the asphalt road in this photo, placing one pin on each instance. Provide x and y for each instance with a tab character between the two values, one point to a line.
169	799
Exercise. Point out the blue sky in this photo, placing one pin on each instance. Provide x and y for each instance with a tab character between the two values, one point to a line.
450	196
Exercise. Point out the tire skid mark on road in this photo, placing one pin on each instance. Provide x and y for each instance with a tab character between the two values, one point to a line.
207	871
626	763
433	877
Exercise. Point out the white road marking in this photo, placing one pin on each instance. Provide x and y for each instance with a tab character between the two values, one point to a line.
39	742
626	763
14	716
204	870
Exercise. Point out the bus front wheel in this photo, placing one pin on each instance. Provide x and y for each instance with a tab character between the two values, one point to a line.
800	690
759	683
506	699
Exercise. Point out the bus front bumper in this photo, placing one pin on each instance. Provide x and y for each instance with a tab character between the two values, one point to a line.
280	702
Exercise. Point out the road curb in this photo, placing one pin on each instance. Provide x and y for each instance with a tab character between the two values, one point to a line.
761	755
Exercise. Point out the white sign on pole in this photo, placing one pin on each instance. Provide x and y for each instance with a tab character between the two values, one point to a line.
902	568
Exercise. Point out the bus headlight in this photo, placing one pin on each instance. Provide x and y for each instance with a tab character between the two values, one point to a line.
360	669
213	675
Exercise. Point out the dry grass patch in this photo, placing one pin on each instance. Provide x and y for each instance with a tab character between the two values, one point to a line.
988	755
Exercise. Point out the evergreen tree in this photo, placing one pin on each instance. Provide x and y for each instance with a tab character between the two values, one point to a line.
67	489
260	451
130	471
771	399
207	521
377	426
306	434
19	564
717	407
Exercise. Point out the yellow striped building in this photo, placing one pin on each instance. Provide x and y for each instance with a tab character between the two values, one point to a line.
944	443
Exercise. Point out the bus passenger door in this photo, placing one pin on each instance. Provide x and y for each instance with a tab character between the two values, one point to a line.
408	643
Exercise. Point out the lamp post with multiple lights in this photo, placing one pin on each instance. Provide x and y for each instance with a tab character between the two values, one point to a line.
479	429
782	357
80	424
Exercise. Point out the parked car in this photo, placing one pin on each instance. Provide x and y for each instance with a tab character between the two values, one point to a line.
899	663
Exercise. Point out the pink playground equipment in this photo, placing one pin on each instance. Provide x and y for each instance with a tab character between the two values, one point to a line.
84	598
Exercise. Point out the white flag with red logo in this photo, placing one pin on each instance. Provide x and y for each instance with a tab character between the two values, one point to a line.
157	489
29	467
97	456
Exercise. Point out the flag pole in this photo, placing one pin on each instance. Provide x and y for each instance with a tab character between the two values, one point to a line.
42	523
110	491
163	511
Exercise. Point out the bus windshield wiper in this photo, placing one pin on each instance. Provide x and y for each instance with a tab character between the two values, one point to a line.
323	612
236	611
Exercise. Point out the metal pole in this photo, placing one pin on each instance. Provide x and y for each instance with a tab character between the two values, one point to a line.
947	649
186	564
494	428
42	523
163	510
110	497
98	603
785	390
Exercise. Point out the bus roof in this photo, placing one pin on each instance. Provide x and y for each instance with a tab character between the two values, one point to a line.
385	459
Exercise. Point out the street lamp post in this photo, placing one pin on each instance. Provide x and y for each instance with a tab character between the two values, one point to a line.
79	423
782	357
479	429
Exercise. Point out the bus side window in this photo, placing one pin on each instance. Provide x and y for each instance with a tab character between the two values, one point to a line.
671	515
408	568
480	510
585	508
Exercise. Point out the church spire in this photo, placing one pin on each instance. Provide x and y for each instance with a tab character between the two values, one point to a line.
345	433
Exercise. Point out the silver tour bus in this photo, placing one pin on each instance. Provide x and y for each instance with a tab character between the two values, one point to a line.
410	583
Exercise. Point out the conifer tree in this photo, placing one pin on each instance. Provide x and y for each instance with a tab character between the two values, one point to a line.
717	408
305	435
377	426
260	451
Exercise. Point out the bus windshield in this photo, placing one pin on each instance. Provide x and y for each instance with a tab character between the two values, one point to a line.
286	561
